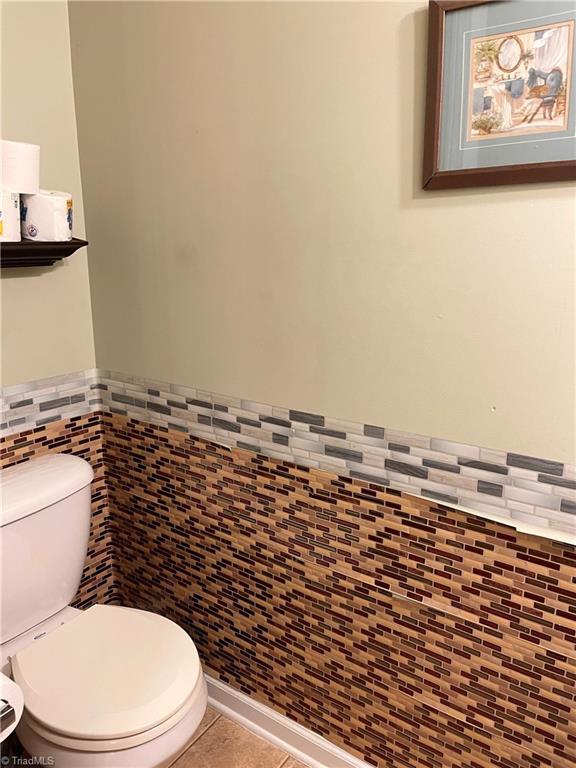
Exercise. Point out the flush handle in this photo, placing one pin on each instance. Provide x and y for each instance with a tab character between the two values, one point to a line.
7	714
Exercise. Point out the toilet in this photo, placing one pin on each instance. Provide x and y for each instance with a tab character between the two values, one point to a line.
108	686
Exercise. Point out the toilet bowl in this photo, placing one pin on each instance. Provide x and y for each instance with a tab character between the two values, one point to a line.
115	686
109	686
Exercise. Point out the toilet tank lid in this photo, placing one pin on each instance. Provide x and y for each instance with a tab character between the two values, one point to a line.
33	485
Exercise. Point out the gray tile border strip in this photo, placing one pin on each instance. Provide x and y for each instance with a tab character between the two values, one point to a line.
537	465
43	401
491	489
371	431
399	448
484	465
306	418
21	403
443	466
343	453
406	469
532	494
558	481
441	497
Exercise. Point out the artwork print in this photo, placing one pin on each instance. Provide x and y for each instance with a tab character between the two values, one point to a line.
519	82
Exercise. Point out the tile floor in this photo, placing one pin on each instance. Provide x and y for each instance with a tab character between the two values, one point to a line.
222	743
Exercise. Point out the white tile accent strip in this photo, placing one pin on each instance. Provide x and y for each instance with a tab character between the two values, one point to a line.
533	495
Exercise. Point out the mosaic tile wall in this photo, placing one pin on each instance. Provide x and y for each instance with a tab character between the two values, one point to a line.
82	436
535	495
411	634
44	401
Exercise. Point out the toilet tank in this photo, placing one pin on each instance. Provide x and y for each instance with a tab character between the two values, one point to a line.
44	528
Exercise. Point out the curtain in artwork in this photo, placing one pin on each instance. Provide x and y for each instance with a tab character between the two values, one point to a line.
550	49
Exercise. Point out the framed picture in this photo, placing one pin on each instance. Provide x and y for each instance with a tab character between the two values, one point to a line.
501	99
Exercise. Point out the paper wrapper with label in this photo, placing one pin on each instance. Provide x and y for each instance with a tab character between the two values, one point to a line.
13	705
47	216
9	217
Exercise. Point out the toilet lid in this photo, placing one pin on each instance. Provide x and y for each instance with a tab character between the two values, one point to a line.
109	673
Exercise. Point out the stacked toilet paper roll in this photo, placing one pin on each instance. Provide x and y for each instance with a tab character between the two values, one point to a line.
20	167
47	215
11	696
19	173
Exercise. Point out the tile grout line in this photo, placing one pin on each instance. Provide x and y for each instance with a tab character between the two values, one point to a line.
199	734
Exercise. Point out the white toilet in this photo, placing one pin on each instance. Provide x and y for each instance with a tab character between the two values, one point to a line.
109	686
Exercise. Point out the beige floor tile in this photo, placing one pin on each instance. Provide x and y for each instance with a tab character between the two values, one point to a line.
210	717
293	763
225	744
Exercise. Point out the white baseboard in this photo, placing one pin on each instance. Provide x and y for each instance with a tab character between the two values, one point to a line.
301	743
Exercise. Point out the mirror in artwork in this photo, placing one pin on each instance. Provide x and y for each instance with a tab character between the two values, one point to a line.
510	53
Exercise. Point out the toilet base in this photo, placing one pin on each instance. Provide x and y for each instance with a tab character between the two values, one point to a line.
160	752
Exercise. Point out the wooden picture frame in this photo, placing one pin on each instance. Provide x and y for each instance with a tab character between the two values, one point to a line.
434	177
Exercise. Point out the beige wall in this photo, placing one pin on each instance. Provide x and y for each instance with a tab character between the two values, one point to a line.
46	316
252	183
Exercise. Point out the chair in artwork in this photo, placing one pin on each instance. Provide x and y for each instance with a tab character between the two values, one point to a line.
560	107
545	96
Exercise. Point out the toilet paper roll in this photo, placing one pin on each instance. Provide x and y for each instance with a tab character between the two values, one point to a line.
12	695
46	216
9	217
20	167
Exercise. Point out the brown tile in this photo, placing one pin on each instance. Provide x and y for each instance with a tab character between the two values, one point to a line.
285	580
228	745
81	436
293	763
293	585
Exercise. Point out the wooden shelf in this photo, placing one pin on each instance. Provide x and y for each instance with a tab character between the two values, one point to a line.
31	253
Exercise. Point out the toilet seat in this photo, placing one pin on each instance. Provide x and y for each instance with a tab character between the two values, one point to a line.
114	745
110	679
